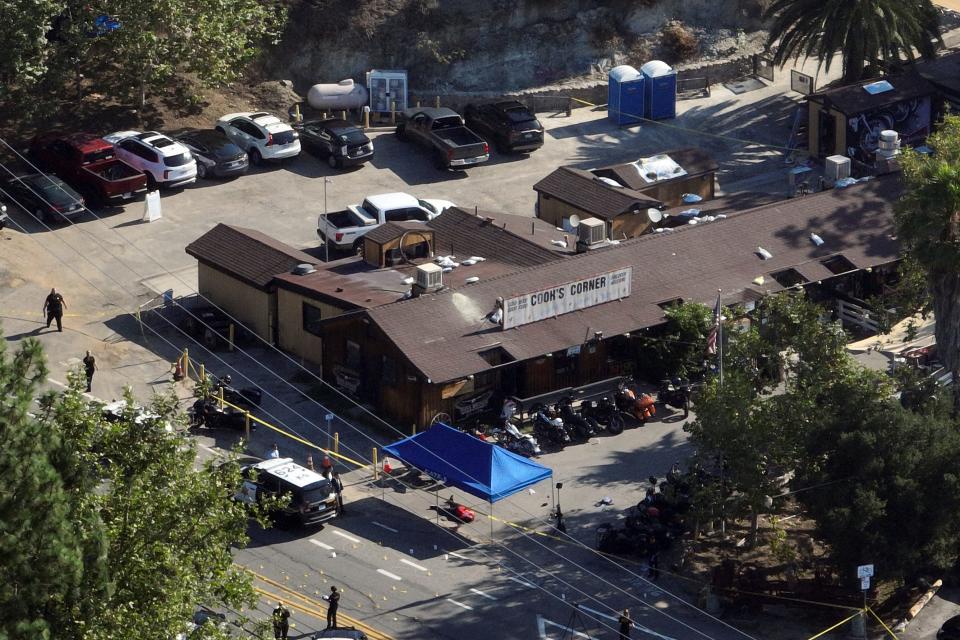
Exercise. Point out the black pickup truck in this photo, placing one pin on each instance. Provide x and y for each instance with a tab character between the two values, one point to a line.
509	124
442	130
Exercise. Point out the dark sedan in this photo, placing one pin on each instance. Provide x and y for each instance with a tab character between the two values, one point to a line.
216	156
340	142
48	198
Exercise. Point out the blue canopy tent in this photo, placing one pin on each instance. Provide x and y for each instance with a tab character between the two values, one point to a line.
468	463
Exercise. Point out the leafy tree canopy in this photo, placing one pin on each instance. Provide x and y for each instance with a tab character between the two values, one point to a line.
112	532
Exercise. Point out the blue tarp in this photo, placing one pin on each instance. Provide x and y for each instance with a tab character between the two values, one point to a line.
468	463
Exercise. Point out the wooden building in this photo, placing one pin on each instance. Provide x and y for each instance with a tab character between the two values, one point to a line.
459	349
847	120
620	195
236	269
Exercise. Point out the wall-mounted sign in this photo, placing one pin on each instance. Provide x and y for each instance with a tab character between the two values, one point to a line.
572	296
801	82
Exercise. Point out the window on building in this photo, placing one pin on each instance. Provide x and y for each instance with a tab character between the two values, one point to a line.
311	319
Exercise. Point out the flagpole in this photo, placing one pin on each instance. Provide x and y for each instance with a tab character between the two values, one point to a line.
720	334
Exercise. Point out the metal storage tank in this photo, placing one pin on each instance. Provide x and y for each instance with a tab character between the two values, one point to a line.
343	95
660	89
625	95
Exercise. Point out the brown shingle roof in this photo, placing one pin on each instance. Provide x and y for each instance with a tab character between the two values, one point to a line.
392	230
246	254
853	99
441	334
462	234
694	161
583	190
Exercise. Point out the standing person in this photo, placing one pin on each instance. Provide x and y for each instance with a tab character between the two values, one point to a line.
334	600
338	487
281	624
89	367
310	461
625	624
326	467
275	452
53	306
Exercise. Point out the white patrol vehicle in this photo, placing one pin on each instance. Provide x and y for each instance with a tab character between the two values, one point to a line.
312	498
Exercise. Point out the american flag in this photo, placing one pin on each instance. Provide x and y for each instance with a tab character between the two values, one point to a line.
715	330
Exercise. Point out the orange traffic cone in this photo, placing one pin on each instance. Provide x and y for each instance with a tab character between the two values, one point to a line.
386	467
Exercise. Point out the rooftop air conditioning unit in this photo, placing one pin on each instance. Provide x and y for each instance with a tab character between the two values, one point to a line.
429	278
592	232
837	168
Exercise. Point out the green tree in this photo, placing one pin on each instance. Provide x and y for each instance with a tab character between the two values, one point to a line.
679	347
928	224
864	32
50	566
109	528
212	40
26	50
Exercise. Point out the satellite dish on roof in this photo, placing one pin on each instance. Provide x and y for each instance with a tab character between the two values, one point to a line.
574	221
654	215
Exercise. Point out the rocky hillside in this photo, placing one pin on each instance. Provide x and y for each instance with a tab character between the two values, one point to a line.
503	45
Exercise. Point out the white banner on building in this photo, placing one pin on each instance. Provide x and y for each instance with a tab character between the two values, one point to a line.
572	296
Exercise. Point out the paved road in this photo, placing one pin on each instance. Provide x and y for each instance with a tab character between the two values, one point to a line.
943	606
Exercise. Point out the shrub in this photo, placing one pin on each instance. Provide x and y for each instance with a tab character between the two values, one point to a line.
678	42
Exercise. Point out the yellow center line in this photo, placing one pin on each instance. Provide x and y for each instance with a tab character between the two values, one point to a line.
312	607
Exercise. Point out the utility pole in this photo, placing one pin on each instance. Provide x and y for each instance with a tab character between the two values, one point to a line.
326	222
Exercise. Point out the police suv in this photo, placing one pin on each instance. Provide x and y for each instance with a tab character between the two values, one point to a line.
312	497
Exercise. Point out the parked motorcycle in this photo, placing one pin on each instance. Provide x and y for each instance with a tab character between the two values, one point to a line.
511	439
584	428
605	412
674	393
549	428
642	407
206	412
247	397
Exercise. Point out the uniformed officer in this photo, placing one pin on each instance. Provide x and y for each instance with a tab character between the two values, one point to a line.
53	306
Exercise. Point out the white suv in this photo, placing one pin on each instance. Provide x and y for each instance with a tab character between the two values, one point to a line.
261	135
166	162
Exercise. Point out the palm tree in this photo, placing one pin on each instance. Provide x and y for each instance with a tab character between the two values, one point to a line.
864	31
928	225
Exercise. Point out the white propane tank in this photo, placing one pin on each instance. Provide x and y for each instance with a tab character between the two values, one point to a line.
334	97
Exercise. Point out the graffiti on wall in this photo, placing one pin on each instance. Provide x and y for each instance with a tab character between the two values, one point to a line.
910	118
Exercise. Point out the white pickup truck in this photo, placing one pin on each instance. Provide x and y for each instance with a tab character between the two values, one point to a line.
345	229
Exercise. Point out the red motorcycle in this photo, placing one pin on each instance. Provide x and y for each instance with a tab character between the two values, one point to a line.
641	408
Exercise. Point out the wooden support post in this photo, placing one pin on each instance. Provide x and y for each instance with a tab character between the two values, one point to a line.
186	362
436	102
232	331
393	112
366	118
336	442
246	424
221	398
376	469
203	372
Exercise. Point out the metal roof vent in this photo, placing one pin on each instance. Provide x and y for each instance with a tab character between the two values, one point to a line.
429	277
303	269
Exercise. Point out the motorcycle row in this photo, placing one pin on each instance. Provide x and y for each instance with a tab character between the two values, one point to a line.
561	424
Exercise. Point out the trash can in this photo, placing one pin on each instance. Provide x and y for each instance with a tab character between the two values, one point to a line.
625	95
660	89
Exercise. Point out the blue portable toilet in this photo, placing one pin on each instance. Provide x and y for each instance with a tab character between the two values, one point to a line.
660	88
625	95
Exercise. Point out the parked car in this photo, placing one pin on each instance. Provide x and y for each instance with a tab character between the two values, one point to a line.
345	229
442	130
950	629
261	135
47	197
216	156
166	163
434	206
340	633
89	164
341	143
509	124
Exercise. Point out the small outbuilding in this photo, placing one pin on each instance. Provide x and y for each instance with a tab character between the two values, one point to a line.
847	120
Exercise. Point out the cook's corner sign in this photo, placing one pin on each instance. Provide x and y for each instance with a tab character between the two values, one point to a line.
571	296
